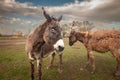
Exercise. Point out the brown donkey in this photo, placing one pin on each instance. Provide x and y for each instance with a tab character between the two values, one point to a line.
43	40
100	41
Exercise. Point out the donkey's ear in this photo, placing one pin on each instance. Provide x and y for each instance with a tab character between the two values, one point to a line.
46	15
60	18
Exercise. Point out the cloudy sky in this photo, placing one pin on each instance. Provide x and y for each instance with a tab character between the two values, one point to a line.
24	15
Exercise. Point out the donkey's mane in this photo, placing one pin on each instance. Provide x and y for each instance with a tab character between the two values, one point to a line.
37	40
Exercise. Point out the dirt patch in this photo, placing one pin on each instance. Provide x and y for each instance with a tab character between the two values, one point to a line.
11	42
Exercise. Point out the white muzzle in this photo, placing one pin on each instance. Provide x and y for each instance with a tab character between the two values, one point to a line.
59	45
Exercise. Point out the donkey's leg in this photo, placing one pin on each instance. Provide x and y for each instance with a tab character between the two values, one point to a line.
91	60
118	67
31	64
116	54
88	56
88	61
39	66
51	60
60	64
32	69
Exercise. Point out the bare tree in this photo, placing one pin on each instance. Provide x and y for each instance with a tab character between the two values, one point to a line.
83	26
65	29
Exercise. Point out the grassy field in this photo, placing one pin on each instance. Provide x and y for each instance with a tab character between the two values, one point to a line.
14	65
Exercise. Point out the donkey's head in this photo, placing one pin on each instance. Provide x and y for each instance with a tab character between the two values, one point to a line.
77	36
52	34
72	38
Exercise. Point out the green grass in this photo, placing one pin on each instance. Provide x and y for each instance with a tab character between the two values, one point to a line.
14	65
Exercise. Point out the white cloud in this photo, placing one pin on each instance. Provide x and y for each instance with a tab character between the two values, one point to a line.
87	9
8	1
27	23
11	7
16	19
96	3
92	10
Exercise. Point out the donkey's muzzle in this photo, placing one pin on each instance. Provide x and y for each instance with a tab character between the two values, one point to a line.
60	48
59	45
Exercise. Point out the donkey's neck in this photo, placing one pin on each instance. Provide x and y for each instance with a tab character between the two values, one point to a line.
46	49
80	36
35	38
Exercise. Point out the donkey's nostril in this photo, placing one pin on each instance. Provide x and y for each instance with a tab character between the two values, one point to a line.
61	48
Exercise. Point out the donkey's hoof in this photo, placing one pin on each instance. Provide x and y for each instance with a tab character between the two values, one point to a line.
92	72
60	70
117	74
48	67
81	69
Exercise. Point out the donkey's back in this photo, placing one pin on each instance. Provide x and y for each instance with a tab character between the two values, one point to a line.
99	34
105	40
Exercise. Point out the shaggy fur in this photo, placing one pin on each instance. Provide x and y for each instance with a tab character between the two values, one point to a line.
34	42
100	41
40	42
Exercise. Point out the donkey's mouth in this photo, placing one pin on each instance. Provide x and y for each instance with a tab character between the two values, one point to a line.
60	48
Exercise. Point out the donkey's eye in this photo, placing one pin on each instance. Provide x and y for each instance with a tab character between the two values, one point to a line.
52	30
55	28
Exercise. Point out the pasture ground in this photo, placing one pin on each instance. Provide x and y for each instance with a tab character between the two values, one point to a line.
14	64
